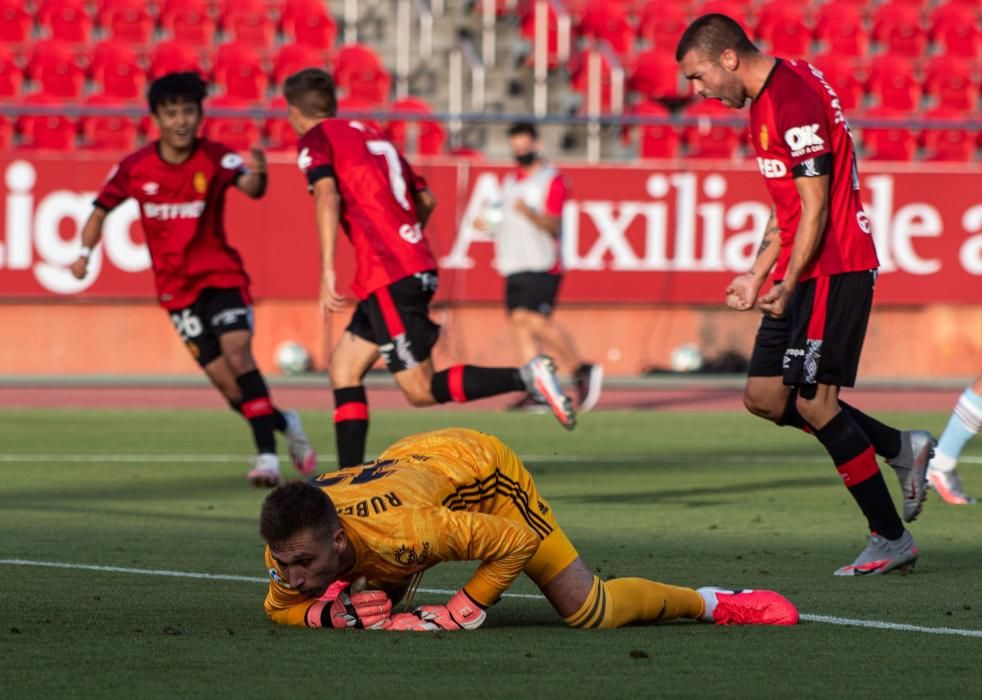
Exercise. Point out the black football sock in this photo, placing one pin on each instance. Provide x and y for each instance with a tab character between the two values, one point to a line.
855	461
258	410
885	440
279	420
350	425
467	382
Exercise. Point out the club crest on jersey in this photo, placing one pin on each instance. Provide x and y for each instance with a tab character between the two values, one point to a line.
200	182
408	556
275	575
803	139
763	136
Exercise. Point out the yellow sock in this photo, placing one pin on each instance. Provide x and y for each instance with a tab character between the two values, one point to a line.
623	601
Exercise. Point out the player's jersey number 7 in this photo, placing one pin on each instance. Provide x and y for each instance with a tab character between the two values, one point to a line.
396	180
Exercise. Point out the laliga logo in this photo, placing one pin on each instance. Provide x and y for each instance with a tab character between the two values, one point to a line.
35	227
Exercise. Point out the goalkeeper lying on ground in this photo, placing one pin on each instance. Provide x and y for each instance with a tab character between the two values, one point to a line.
454	495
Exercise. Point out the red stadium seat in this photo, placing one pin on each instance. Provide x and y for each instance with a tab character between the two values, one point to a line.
360	74
782	26
172	57
527	29
15	23
313	28
294	8
948	143
892	83
11	75
708	140
430	136
6	134
108	132
189	25
839	26
250	26
662	23
731	8
130	24
238	69
356	109
655	75
115	66
238	133
47	131
66	20
840	73
949	81
893	142
295	57
955	29
896	26
280	136
59	75
580	80
656	140
605	21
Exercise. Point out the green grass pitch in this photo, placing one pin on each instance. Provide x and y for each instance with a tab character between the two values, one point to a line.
694	499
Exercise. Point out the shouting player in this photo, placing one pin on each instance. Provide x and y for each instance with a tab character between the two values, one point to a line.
454	495
362	184
180	182
818	242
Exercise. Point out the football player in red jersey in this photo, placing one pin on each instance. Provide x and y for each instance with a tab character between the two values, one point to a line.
824	264
362	184
180	182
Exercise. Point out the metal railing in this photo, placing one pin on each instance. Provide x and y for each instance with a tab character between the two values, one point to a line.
461	55
404	68
596	56
540	49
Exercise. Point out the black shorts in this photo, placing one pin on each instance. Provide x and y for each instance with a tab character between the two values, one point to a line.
215	312
397	319
535	291
820	337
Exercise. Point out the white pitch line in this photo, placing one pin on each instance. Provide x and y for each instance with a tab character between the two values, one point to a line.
623	459
822	619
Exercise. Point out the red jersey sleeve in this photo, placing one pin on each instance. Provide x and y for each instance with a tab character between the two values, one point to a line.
230	164
802	121
415	181
556	198
315	156
116	190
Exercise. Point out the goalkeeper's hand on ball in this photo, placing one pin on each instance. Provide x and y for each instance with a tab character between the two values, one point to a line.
360	609
460	612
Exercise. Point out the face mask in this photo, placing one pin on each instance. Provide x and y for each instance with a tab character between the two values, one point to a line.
526	159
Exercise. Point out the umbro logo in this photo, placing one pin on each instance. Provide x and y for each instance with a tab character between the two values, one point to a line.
150	188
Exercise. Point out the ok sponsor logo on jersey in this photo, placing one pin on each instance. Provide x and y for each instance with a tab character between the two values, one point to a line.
771	167
304	160
803	139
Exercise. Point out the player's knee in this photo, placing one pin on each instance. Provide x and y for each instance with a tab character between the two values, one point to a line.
762	406
418	396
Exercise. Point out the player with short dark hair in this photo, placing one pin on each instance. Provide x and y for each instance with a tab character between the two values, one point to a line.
526	228
454	495
818	242
180	182
363	185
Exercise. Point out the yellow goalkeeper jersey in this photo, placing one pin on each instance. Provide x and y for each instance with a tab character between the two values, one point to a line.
449	495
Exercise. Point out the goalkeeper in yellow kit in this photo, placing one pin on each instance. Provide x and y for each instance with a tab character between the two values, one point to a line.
453	495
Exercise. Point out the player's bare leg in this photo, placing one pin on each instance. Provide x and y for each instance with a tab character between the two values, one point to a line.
351	359
583	600
962	426
766	397
521	330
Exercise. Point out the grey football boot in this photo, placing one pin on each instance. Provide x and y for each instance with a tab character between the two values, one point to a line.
916	450
539	375
882	556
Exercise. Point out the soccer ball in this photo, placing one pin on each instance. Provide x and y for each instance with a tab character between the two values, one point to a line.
686	358
292	358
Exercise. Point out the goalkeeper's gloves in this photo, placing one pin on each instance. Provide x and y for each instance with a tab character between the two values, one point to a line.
365	609
460	612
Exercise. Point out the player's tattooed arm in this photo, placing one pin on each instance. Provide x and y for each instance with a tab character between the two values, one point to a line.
425	203
741	294
91	235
